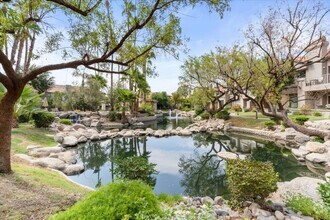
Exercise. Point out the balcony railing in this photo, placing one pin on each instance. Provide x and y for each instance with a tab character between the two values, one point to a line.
324	80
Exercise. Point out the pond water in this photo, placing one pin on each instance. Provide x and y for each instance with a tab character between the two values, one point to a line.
168	123
186	165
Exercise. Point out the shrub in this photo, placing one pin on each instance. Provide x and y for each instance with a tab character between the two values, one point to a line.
118	115
120	200
269	125
284	124
224	114
24	118
324	190
169	199
135	167
147	108
307	206
112	116
198	111
66	121
301	119
317	139
276	120
305	109
317	114
236	108
250	181
296	113
247	110
205	115
42	119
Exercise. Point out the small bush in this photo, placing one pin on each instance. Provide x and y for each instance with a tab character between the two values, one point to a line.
118	115
236	108
307	206
112	116
24	118
120	200
301	119
250	181
305	109
317	114
224	114
276	120
169	199
284	124
296	113
269	125
147	108
324	190
198	111
186	109
205	115
42	119
65	121
247	110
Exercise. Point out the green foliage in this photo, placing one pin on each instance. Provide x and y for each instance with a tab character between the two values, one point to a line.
147	108
112	116
317	139
317	114
224	114
185	109
162	99
43	82
247	110
236	108
65	121
284	124
324	190
198	111
24	118
276	120
296	113
135	167
119	200
301	119
42	119
205	115
169	199
269	125
307	206
305	109
250	181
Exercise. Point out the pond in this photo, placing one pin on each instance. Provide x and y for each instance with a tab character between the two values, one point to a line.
186	165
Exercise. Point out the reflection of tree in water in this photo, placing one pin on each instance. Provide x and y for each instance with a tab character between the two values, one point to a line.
284	163
203	174
94	156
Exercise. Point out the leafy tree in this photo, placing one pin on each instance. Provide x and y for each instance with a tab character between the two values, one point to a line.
162	100
97	38
43	82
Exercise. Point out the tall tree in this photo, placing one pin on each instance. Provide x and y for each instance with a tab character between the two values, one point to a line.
97	38
43	82
286	40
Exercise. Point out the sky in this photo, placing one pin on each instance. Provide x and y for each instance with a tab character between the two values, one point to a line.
205	31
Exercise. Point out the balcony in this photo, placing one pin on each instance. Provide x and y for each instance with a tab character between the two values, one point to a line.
320	84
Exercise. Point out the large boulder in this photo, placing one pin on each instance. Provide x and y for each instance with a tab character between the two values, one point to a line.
45	151
300	153
306	186
82	139
315	147
95	123
128	133
79	126
185	132
301	138
73	169
70	141
104	113
59	137
317	158
86	121
160	133
52	163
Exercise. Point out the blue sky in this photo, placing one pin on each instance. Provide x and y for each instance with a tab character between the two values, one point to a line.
206	31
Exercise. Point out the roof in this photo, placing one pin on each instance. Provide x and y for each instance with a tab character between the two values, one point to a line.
59	88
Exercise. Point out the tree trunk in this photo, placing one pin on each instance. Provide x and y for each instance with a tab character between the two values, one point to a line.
6	117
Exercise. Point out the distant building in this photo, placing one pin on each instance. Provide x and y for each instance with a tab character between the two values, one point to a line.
58	88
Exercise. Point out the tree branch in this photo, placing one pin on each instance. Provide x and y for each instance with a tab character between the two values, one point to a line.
7	66
75	8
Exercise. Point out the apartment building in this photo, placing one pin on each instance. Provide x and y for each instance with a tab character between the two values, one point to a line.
312	86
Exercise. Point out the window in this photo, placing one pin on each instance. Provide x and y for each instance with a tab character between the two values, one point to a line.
301	74
329	69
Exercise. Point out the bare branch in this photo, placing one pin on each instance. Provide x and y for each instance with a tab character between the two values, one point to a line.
75	8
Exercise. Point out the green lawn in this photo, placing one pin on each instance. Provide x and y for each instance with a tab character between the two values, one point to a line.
27	134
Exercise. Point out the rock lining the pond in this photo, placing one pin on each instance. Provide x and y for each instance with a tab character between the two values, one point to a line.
57	158
218	208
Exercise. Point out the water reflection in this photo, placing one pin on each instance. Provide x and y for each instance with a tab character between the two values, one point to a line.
186	165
